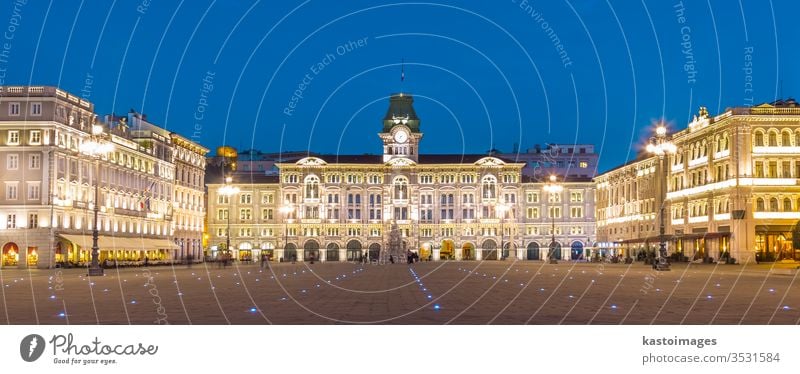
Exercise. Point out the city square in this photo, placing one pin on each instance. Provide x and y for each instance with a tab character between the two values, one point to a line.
447	292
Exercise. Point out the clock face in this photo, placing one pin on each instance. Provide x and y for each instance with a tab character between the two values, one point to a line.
400	136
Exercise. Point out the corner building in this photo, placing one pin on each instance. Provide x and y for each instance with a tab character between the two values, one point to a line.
441	206
47	199
732	189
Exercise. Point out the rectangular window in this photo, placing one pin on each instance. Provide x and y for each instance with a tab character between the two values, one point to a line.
36	109
468	213
222	214
555	212
12	161
576	197
267	214
11	191
245	198
34	161
13	109
223	199
33	220
576	212
11	221
36	137
34	191
13	137
532	213
426	179
245	214
759	169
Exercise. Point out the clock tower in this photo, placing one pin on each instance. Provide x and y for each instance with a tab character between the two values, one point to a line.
401	133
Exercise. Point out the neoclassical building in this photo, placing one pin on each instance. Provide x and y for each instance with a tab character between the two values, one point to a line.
442	206
731	189
49	182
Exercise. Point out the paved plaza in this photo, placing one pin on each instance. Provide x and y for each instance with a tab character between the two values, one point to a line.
453	292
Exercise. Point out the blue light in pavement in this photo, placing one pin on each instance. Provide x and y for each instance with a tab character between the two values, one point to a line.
133	301
424	289
613	306
771	290
786	307
436	307
709	297
52	297
253	310
430	297
62	314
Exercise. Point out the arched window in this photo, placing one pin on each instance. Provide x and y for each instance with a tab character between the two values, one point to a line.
785	139
312	187
760	204
787	205
489	187
725	142
797	139
773	204
773	139
401	188
759	139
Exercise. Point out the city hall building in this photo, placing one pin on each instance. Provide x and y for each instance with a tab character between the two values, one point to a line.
440	206
149	184
729	191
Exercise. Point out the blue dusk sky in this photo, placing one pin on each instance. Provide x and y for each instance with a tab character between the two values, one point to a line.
298	75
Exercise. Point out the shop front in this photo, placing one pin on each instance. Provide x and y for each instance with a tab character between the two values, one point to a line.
777	243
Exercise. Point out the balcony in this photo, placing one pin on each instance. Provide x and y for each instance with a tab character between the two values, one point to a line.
129	212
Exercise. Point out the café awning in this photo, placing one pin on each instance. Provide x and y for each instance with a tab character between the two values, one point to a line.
118	243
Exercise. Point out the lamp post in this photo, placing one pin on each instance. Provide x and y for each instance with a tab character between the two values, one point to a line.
96	147
660	146
229	191
501	210
286	210
553	188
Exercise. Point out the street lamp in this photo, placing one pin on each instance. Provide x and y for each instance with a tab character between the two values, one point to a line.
501	212
659	145
229	191
285	210
553	188
96	147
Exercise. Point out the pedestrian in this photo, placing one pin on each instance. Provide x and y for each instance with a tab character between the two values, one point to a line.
294	259
391	258
146	260
311	257
263	260
189	259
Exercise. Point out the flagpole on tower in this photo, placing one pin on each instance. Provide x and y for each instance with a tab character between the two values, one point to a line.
402	73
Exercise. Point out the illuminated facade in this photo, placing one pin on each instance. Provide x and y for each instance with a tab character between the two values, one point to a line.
48	195
731	188
346	207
